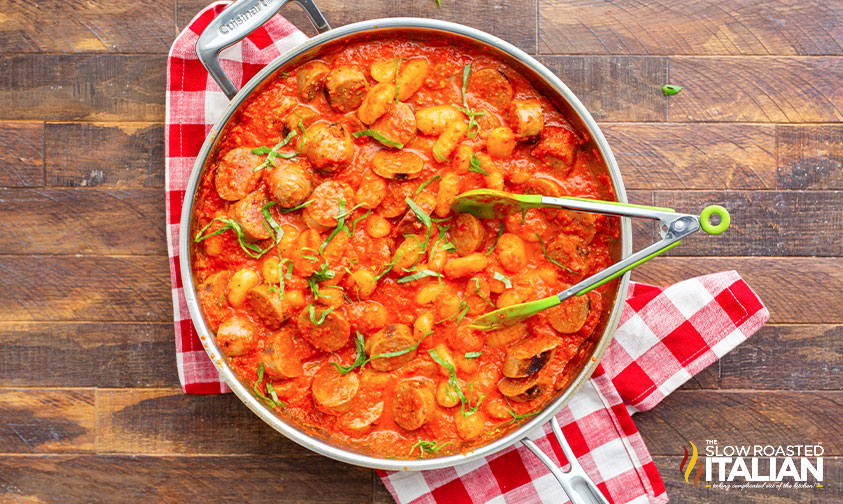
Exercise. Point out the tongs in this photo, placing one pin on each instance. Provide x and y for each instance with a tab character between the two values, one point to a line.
673	227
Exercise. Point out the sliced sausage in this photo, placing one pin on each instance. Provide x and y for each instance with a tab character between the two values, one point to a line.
413	404
467	234
304	115
392	338
376	102
398	124
212	295
279	356
570	251
502	337
267	306
432	120
359	418
520	389
322	213
529	355
330	335
526	118
570	315
397	165
333	392
346	88
311	79
544	187
235	176
289	184
236	336
492	86
556	148
328	146
248	212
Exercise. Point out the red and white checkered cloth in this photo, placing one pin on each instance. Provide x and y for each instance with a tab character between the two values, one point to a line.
665	336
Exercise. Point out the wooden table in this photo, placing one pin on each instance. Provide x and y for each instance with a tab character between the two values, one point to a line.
90	408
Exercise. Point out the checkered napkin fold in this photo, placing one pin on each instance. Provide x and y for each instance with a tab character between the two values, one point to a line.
665	336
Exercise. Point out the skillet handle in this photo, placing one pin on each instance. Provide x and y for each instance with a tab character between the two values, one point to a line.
235	23
576	483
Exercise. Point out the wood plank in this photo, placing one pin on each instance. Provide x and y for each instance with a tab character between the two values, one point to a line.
169	422
22	156
380	495
47	421
94	479
754	417
757	89
87	355
82	221
102	87
103	26
786	357
794	289
764	223
684	493
615	88
810	157
699	156
85	288
123	156
698	27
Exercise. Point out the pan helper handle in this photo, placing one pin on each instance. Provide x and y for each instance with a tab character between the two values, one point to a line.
236	22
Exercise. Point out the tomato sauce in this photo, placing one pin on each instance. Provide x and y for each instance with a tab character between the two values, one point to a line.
365	274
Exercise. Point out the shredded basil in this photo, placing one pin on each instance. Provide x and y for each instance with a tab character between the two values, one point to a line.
380	138
554	261
361	360
311	310
498	237
428	446
453	383
517	418
440	157
389	266
340	226
250	249
303	132
472	114
427	183
671	89
473	355
462	310
423	217
477	291
321	275
355	221
474	166
507	283
418	276
272	153
271	402
297	207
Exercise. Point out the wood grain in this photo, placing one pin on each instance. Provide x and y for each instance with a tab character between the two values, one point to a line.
46	421
684	493
743	417
169	422
22	155
94	479
103	26
764	223
56	288
87	355
698	27
82	221
786	357
121	156
794	289
615	88
756	89
699	156
101	87
810	157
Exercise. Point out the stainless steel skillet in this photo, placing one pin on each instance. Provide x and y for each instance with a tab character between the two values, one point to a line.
244	16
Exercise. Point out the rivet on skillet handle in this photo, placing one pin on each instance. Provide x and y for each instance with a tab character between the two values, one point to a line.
579	488
234	23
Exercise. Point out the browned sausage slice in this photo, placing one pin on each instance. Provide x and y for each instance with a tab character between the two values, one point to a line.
490	85
279	357
398	124
333	392
526	118
326	204
570	251
360	418
302	114
311	78
527	356
346	88
556	148
397	165
520	389
235	176
392	338
267	306
413	404
543	186
289	183
330	335
468	234
248	212
212	295
236	336
328	145
570	315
